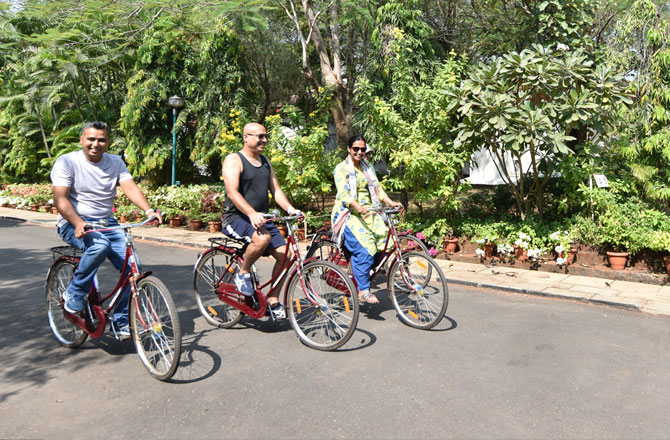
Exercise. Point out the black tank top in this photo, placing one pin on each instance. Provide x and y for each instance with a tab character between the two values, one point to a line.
254	186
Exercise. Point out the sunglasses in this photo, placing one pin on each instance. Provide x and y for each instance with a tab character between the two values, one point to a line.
259	136
357	149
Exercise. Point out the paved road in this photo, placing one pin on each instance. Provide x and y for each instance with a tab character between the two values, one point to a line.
500	366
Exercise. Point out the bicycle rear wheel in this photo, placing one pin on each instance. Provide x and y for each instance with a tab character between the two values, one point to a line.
208	272
418	290
58	279
322	306
156	329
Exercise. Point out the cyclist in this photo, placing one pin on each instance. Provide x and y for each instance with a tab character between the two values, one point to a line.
249	177
84	186
358	190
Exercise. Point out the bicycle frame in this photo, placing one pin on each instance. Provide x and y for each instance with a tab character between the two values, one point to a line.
93	319
394	254
228	292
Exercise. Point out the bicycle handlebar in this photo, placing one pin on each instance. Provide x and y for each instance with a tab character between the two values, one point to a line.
386	210
97	227
275	216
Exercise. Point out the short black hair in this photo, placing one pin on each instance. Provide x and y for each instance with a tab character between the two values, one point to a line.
97	125
354	138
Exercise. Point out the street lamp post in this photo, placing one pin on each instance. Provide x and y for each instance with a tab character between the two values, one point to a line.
175	102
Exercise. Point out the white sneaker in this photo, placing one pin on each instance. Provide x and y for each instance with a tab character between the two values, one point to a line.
277	312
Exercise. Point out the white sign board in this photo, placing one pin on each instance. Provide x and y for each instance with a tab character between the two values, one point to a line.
601	181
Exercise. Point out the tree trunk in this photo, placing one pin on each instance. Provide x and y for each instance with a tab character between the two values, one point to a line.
44	136
331	72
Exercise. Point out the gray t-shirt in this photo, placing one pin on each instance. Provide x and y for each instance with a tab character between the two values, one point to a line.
92	185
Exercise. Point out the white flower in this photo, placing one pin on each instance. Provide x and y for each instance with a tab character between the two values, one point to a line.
560	261
559	249
480	253
534	253
505	248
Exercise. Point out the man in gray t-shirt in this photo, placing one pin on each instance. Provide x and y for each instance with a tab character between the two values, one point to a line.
84	186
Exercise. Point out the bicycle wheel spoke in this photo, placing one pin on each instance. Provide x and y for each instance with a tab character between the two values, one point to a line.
418	290
156	328
66	332
208	273
330	322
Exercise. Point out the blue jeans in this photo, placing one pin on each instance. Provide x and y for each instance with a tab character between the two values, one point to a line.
97	246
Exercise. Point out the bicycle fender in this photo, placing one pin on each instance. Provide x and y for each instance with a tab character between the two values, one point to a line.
197	261
143	275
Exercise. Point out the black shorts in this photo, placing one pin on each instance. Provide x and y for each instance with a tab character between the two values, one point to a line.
241	229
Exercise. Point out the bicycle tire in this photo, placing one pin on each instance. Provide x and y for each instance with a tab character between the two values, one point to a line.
410	243
156	330
328	322
425	309
207	274
68	334
327	250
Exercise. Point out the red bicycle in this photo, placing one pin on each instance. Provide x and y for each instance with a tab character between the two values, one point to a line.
318	294
416	285
152	315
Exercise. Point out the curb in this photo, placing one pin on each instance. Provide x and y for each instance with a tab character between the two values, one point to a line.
544	294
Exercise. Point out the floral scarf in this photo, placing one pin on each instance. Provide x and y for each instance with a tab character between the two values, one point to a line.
373	188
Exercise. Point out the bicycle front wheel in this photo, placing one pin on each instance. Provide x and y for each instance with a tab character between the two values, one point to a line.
410	243
208	273
322	306
418	290
68	334
156	330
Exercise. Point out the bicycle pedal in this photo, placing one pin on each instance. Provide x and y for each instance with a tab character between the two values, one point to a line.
252	301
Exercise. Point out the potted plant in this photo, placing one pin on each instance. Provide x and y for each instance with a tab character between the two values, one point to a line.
660	241
125	213
213	220
486	236
172	215
522	238
617	234
562	240
195	216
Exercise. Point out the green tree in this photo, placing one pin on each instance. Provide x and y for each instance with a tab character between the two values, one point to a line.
402	107
641	48
528	105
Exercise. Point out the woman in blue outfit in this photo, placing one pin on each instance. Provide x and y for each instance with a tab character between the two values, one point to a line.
358	190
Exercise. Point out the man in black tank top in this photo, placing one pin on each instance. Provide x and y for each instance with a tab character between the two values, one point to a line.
249	177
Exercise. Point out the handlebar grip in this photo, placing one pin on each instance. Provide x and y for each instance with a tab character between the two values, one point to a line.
88	227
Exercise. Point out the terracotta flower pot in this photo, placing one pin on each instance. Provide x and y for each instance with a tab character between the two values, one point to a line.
54	210
572	256
34	208
450	245
520	253
214	226
283	231
488	250
617	260
666	262
123	219
195	224
174	222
